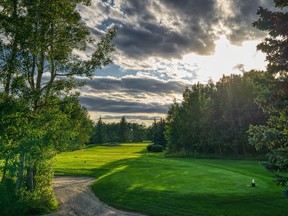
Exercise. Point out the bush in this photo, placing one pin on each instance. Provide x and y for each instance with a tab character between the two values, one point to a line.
157	148
10	203
149	147
39	201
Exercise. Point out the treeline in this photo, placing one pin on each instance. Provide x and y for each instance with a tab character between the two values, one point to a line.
214	118
121	131
124	131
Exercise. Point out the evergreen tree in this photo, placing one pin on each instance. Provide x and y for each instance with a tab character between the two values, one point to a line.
158	132
124	130
274	91
138	132
99	132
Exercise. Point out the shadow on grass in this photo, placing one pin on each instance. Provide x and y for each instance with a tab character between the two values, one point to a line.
134	185
112	144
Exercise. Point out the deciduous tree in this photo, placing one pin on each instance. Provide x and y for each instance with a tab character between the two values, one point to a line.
39	65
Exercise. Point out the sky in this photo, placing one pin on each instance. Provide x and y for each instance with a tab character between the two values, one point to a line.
164	46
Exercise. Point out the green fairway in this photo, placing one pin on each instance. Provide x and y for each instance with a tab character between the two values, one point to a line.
129	178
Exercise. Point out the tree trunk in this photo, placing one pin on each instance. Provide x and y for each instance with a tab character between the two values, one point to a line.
11	61
20	174
34	176
30	179
4	171
220	150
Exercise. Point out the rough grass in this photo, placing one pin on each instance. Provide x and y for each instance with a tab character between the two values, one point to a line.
129	178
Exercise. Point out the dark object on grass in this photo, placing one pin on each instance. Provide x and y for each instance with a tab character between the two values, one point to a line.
149	147
253	183
157	148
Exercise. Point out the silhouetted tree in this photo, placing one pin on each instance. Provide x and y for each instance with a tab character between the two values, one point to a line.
124	130
274	91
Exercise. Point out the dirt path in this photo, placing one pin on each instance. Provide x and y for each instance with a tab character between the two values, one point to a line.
75	198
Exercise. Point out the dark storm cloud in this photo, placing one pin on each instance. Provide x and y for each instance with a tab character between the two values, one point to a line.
134	85
139	9
149	37
193	26
129	117
98	104
245	14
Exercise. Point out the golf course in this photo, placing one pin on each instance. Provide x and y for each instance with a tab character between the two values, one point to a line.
129	178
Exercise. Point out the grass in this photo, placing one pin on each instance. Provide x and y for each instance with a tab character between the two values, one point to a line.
131	179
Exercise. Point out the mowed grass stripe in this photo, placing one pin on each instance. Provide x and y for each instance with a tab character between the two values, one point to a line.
129	178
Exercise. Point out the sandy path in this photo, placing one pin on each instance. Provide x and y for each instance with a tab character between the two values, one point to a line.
76	198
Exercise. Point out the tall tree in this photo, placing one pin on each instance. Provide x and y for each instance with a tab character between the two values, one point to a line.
158	132
273	135
124	130
99	132
138	132
214	118
38	65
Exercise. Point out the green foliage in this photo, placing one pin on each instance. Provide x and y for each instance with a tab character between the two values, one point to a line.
274	92
10	202
275	45
157	132
214	118
138	132
157	148
38	201
99	132
122	131
42	116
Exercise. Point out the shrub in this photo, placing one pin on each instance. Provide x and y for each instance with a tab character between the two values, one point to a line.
39	201
149	147
157	148
10	204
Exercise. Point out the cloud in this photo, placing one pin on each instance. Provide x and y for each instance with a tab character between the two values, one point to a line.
170	29
139	95
162	46
167	28
118	106
135	84
239	23
128	117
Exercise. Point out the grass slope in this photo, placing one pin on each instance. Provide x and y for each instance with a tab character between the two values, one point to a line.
130	178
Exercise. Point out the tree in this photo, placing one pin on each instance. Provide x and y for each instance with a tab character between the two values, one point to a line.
173	129
124	130
38	65
214	118
138	132
99	132
274	97
158	132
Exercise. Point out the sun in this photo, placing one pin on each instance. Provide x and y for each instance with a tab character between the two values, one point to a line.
225	58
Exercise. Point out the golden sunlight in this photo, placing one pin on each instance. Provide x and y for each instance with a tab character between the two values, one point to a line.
227	59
